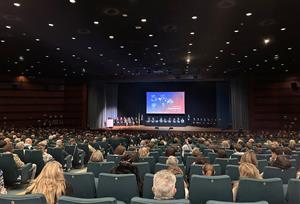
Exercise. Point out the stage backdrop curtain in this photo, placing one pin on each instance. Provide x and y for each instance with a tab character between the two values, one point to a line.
102	103
223	104
239	103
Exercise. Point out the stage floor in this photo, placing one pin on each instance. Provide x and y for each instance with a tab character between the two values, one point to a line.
165	128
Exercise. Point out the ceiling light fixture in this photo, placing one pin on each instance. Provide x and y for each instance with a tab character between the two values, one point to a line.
138	27
58	49
267	41
27	50
289	48
2	41
17	4
155	45
121	46
124	15
227	43
236	31
283	29
72	1
89	48
51	24
194	17
150	35
37	39
190	44
111	37
249	14
8	27
96	22
192	33
254	50
73	38
188	60
144	20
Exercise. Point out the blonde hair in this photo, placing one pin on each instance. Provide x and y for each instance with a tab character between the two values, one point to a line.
164	185
249	157
248	170
196	152
143	152
225	144
172	161
97	156
50	182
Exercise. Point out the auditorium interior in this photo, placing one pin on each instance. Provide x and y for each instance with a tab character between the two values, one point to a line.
149	102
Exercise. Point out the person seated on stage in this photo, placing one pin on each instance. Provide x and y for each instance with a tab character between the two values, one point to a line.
249	157
144	152
208	170
43	147
8	149
247	170
170	151
172	163
96	156
164	185
120	150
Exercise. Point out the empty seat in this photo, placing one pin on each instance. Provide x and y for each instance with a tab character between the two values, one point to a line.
212	156
137	200
148	183
163	159
100	167
204	188
261	164
196	169
23	199
253	190
150	160
189	161
78	159
121	186
229	152
114	158
83	184
205	151
233	172
224	162
72	200
143	168
159	166
35	157
221	202
20	153
293	162
293	191
284	174
58	155
154	154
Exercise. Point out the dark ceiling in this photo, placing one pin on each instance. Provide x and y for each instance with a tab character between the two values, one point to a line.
155	38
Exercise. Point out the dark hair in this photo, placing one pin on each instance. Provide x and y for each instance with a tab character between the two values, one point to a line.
170	151
200	160
208	168
282	162
277	150
221	153
238	147
120	149
287	151
8	147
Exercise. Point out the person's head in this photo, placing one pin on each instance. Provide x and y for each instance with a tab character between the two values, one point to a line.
8	147
200	160
143	152
208	170
97	156
172	161
248	170
170	151
196	152
287	151
42	145
292	144
276	151
221	153
225	144
28	141
120	150
20	145
50	182
129	157
238	147
72	141
59	144
282	162
249	157
164	185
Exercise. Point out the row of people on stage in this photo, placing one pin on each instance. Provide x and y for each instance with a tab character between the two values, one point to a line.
126	121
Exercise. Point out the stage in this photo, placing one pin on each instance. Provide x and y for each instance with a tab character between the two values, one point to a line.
166	128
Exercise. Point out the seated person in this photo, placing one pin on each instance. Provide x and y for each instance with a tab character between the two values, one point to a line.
249	157
196	152
143	152
170	151
164	185
96	156
281	162
60	145
51	183
2	188
120	150
247	170
28	143
221	153
43	147
172	163
208	170
8	149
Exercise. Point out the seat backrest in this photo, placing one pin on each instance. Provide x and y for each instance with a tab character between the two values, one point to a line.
196	169
205	151
229	152
163	159
293	195
204	188
9	168
261	164
159	166
263	156
189	161
150	160
114	158
72	200
253	190
121	186
221	202
23	199
148	183
85	148
20	153
35	157
57	154
143	168
154	154
224	162
83	184
100	167
137	200
233	172
212	156
293	162
284	174
237	156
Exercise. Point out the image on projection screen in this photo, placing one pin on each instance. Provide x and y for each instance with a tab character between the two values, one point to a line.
165	103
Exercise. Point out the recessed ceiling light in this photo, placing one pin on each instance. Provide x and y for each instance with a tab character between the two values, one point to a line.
111	37
286	70
236	31
135	60
138	27
144	20
129	53
17	4
101	55
257	65
188	60
72	1
47	56
289	48
161	59
96	22
51	24
227	43
150	35
267	41
217	57
189	52
89	48
37	39
283	29
2	41
254	50
73	55
246	56
238	61
158	53
221	50
121	46
124	15
155	45
190	44
8	27
273	67
194	17
192	33
265	60
27	50
73	38
249	14
61	61
58	49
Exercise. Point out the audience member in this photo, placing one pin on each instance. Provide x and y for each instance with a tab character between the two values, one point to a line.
143	152
43	147
170	151
2	187
172	163
164	185
208	170
120	150
249	157
96	156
